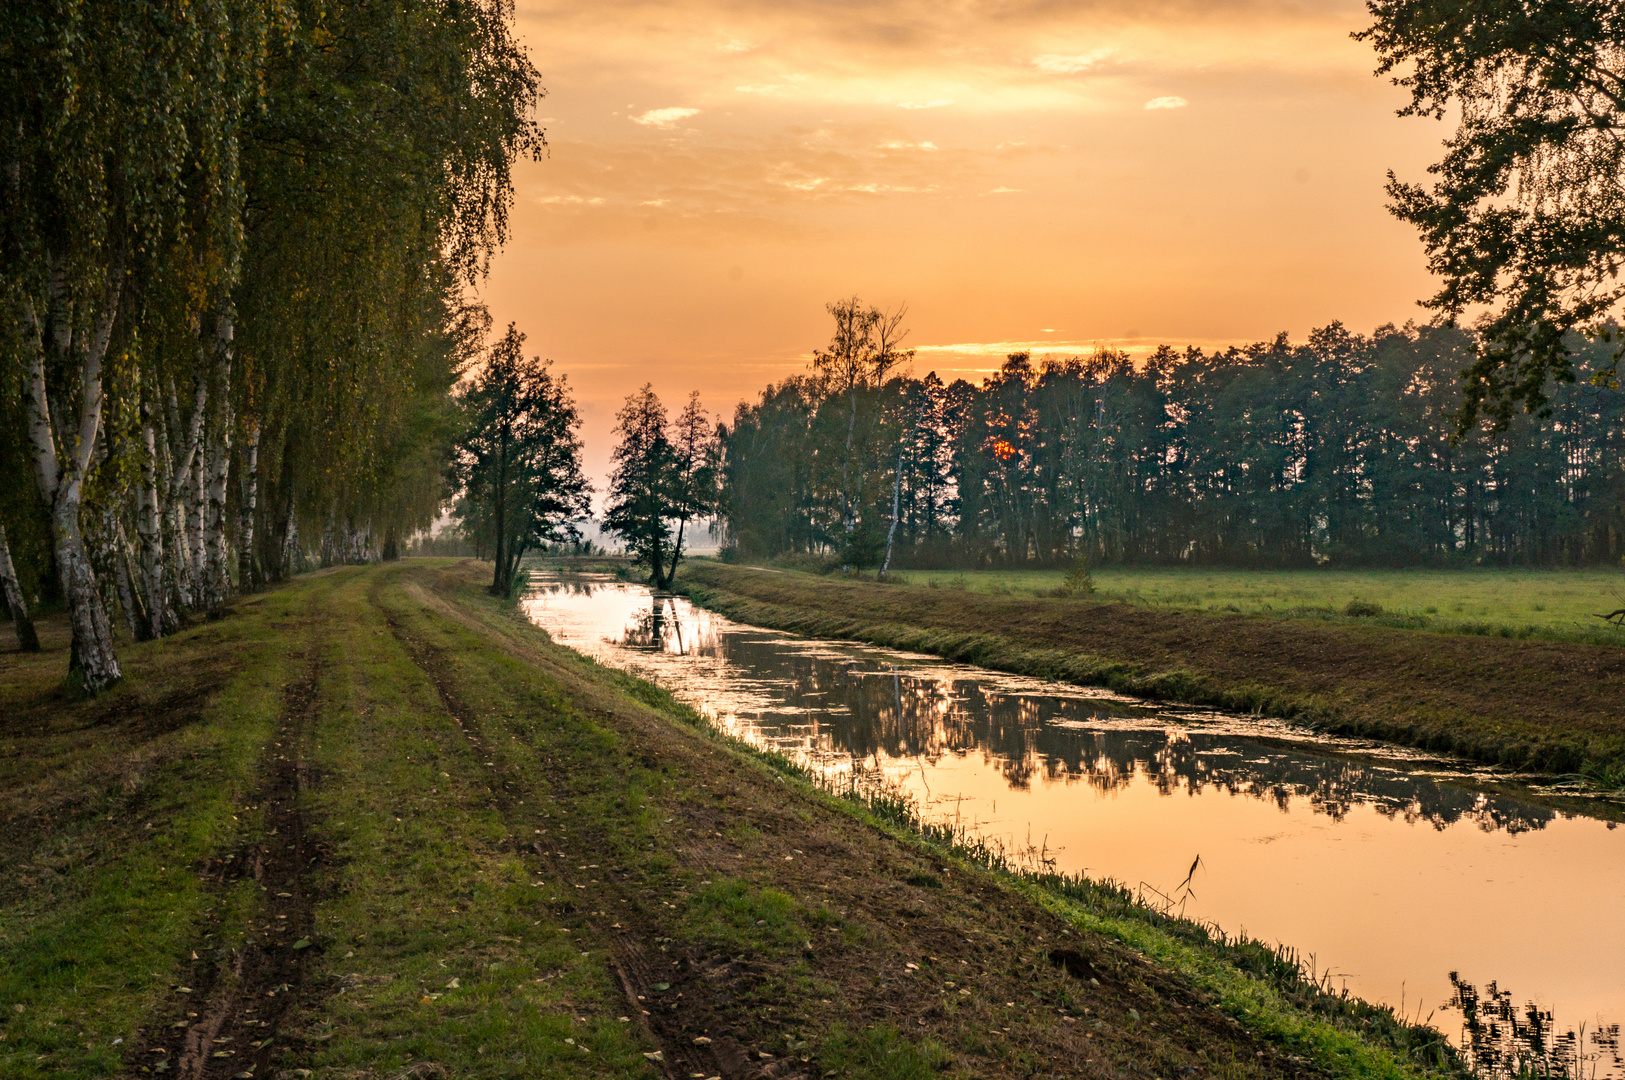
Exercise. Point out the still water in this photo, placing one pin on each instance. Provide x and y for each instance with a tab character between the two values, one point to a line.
1390	868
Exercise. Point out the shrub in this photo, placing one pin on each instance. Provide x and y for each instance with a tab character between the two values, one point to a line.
1078	581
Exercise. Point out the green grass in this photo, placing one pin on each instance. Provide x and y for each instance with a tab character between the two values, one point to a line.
1548	604
95	920
507	837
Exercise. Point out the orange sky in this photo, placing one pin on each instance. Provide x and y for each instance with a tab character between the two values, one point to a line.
1037	174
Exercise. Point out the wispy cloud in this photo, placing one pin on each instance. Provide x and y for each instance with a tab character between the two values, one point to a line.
937	104
1171	102
1057	64
664	117
1005	191
986	355
765	88
898	144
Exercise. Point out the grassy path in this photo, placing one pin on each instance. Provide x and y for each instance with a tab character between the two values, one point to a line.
374	825
1545	706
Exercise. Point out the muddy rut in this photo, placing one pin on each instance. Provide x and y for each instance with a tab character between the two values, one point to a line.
680	1055
226	1020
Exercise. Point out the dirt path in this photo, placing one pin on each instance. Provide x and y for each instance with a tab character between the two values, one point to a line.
227	1022
937	955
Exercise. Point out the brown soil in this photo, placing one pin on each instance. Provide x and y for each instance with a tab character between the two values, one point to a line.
1540	705
1059	1002
229	1024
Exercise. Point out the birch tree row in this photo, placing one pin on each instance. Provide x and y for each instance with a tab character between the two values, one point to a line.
236	240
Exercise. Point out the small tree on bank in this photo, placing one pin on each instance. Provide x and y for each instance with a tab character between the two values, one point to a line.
660	478
697	450
519	460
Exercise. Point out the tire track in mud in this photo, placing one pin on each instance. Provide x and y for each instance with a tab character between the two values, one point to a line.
629	965
245	995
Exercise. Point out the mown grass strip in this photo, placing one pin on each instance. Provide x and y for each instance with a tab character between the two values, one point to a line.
91	952
437	944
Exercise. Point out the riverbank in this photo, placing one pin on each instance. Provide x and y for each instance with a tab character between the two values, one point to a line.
375	824
1550	707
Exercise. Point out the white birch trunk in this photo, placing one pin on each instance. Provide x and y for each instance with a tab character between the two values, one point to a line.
218	584
292	557
249	500
60	447
108	539
196	510
16	603
149	529
189	489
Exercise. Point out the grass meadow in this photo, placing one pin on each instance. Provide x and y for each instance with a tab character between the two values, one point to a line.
1559	604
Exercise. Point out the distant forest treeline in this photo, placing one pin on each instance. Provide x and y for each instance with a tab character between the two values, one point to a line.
1337	451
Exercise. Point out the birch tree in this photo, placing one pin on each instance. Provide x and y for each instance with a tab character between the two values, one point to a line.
643	496
695	455
519	459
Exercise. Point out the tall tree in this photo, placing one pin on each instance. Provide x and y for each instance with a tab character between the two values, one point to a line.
11	591
519	459
1527	215
866	344
644	493
695	451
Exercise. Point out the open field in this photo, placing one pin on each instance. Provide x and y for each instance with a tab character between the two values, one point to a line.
375	825
1547	604
1527	704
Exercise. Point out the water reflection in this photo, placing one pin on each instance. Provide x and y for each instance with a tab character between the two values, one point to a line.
1394	867
864	707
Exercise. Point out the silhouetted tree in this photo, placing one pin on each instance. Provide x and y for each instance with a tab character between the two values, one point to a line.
1527	214
645	496
695	450
519	458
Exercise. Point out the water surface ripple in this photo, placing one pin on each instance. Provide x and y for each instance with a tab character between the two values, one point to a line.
1391	868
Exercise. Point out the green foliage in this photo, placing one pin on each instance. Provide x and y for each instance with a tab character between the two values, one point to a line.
663	476
1078	580
1338	451
518	460
235	242
1527	211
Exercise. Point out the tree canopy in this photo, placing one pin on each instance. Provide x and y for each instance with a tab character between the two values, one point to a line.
518	462
1340	449
235	239
664	475
1525	220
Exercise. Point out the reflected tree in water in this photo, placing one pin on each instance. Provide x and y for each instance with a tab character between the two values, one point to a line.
1501	1039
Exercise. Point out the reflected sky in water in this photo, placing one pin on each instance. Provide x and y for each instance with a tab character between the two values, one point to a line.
1381	863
